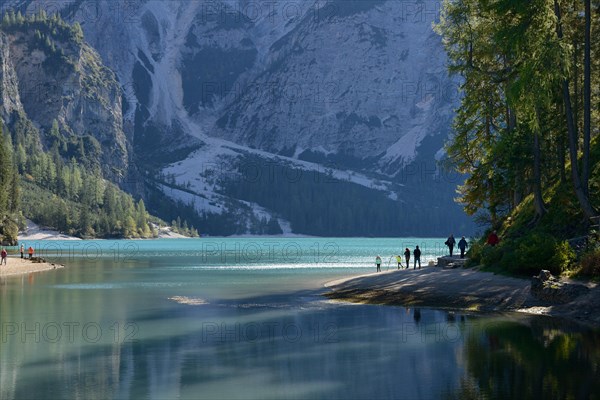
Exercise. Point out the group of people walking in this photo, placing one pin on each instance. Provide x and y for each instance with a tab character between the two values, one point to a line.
416	255
4	253
492	240
462	245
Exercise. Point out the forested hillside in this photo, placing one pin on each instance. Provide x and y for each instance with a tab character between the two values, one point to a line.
527	128
63	148
9	191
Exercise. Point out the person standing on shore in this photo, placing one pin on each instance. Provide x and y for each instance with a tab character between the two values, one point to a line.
22	251
462	245
399	261
378	263
450	243
30	251
407	257
417	255
3	254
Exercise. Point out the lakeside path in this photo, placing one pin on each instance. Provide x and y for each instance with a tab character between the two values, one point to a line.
464	289
17	266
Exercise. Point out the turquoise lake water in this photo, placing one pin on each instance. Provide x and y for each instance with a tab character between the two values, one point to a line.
244	318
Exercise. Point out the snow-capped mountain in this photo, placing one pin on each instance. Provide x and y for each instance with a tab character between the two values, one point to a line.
352	91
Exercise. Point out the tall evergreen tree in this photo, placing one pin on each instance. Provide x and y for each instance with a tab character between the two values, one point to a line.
516	69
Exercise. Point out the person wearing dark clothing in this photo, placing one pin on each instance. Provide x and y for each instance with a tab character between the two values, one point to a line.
407	257
493	239
450	243
417	255
4	254
462	245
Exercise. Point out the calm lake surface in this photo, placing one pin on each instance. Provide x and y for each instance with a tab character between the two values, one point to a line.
243	318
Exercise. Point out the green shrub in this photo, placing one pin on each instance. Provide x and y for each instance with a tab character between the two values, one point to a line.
474	254
564	256
530	254
542	251
590	264
535	252
492	255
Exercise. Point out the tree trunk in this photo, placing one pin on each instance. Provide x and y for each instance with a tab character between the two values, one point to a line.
583	199
587	90
576	84
492	204
511	118
538	199
562	156
561	148
518	188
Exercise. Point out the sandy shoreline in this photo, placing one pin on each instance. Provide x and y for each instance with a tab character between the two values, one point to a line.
464	289
16	266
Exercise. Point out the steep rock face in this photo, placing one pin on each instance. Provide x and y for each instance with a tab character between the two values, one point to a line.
9	83
53	75
363	79
217	53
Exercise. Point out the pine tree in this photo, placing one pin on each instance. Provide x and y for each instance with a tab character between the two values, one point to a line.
77	32
15	193
130	229
142	219
85	222
19	19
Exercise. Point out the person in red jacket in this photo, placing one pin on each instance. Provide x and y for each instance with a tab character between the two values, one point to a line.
3	254
493	239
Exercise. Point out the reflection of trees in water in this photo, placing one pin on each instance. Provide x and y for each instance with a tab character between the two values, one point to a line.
541	360
342	352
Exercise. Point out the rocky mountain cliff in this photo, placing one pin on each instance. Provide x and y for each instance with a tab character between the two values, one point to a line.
354	92
50	76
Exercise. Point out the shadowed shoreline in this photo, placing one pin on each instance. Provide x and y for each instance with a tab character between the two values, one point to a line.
462	289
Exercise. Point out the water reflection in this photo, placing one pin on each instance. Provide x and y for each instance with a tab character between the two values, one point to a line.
531	358
267	335
228	352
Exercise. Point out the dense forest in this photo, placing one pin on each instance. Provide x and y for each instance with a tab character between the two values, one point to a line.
341	207
65	196
9	191
526	132
55	177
